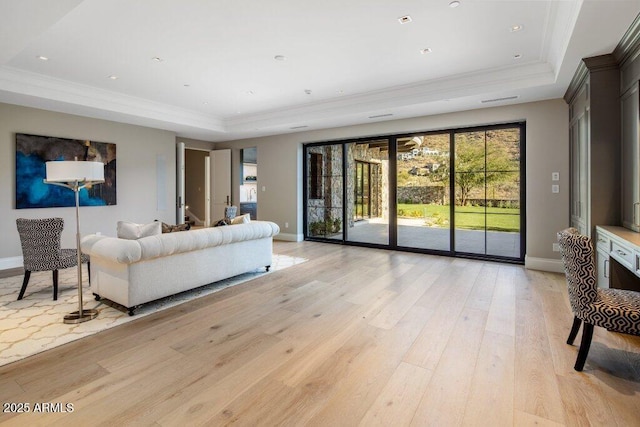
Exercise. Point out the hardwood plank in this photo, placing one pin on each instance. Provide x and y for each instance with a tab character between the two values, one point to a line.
400	397
501	317
450	384
490	400
584	403
536	387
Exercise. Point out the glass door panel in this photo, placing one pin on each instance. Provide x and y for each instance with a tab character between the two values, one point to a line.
324	192
423	199
487	183
368	192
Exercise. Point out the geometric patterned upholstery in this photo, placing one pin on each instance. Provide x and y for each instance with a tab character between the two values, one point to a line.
40	240
614	309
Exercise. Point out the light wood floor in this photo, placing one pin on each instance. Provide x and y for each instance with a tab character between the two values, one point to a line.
352	337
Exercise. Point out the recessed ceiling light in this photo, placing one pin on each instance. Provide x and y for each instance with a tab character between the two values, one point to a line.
307	91
516	28
205	103
250	92
404	19
186	85
517	56
112	77
454	4
425	50
280	58
340	91
157	59
42	58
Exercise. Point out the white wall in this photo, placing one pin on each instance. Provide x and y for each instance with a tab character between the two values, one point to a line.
547	150
138	149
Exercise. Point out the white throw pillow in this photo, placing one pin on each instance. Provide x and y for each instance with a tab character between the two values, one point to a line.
133	231
242	219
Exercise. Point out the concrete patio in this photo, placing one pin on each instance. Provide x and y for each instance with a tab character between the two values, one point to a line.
412	233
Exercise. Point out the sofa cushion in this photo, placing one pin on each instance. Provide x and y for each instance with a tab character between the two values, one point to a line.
133	231
241	219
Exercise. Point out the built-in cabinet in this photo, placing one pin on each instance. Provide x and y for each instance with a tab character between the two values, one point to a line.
594	136
630	158
618	258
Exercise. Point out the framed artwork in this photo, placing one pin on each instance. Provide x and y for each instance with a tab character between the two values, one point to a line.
32	151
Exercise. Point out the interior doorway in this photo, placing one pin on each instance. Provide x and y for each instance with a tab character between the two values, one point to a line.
249	182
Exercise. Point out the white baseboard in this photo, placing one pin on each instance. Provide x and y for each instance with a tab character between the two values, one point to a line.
11	262
544	264
288	237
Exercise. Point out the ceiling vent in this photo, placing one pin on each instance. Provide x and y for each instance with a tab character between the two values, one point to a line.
298	127
506	98
380	115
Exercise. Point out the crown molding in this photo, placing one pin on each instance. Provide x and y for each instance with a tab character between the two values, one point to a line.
38	86
629	46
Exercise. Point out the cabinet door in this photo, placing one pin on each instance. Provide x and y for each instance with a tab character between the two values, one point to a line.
579	146
630	159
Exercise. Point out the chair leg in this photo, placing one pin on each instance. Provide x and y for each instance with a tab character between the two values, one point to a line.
55	285
25	281
89	271
587	334
574	330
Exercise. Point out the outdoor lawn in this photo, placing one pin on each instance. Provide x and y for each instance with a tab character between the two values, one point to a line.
467	217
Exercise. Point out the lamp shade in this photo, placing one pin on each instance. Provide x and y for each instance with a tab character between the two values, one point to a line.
70	171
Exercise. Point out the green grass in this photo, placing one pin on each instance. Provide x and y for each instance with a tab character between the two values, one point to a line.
467	217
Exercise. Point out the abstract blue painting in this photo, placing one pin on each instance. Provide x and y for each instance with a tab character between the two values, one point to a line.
32	151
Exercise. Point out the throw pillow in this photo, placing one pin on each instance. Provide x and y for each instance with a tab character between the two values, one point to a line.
242	219
133	231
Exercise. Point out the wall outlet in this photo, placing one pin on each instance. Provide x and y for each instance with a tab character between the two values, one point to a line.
556	247
555	176
555	188
286	225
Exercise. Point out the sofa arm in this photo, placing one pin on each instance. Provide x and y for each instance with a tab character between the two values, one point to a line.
122	251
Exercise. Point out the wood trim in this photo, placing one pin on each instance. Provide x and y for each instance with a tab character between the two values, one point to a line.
629	46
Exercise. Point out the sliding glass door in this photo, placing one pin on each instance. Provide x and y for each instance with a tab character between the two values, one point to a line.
451	192
422	188
367	171
487	192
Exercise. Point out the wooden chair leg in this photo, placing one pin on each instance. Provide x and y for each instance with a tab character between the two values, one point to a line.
55	285
587	334
574	330
25	281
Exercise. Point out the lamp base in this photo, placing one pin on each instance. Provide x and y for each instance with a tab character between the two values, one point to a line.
73	318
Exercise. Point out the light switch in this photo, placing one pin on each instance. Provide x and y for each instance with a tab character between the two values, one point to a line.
555	176
555	188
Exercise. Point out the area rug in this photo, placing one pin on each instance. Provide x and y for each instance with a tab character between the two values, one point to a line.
34	324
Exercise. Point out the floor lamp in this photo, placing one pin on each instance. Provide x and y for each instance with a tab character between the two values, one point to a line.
76	175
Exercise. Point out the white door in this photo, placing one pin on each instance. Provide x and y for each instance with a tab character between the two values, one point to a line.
180	183
207	192
220	182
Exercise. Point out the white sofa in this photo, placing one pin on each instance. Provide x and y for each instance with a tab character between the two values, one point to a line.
133	272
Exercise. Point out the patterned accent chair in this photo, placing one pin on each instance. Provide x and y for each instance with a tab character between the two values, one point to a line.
614	309
40	239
